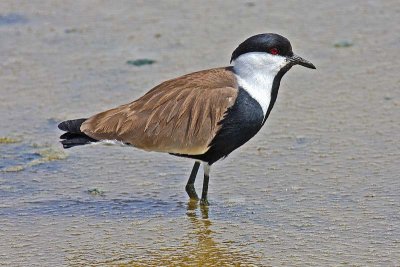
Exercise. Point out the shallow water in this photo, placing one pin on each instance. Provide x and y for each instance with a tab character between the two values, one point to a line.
318	186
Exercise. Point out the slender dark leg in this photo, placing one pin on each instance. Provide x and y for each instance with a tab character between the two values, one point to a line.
190	190
204	200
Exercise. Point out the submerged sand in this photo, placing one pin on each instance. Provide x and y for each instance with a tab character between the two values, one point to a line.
318	186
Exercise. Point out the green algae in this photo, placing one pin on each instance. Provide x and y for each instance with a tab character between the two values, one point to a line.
141	62
51	154
343	44
45	155
16	168
95	192
8	140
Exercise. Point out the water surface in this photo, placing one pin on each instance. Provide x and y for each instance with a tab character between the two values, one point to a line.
318	186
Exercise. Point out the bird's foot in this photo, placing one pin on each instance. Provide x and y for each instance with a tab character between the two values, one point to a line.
204	202
191	191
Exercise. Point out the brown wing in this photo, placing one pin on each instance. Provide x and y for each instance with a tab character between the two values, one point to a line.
178	116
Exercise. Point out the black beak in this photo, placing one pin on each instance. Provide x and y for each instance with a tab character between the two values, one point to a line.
296	60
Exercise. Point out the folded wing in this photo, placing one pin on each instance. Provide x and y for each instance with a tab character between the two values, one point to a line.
178	116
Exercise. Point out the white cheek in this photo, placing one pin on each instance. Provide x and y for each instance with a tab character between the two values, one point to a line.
276	62
255	73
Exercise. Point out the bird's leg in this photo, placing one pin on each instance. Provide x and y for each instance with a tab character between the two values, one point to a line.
204	200
190	190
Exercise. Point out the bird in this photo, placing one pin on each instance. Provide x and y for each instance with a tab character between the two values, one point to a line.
204	115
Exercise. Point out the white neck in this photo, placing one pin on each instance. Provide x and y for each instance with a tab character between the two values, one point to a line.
255	73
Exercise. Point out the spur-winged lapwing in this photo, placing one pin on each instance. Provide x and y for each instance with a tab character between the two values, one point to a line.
203	115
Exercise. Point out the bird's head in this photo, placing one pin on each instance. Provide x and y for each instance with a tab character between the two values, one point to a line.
269	51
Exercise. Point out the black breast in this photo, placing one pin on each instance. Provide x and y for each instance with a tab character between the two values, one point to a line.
242	121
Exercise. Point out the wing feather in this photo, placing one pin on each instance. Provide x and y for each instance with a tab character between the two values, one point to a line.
177	116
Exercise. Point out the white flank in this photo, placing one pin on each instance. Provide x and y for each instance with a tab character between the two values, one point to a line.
110	143
255	73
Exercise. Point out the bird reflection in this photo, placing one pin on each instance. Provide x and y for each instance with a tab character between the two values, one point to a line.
203	250
192	240
192	206
198	247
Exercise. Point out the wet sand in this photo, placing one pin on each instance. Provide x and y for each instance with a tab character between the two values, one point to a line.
318	186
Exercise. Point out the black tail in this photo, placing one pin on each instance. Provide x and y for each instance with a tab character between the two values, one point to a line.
73	135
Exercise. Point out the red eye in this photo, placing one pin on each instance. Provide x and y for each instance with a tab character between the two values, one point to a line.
274	51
